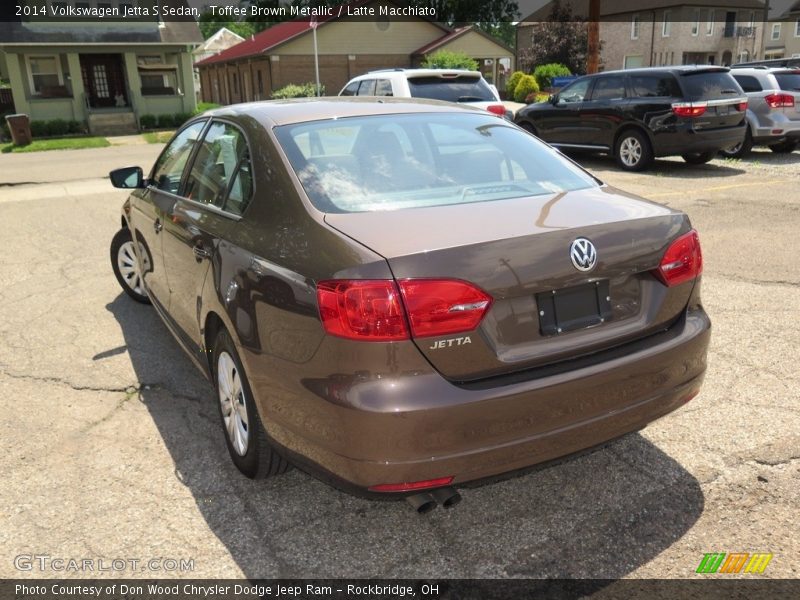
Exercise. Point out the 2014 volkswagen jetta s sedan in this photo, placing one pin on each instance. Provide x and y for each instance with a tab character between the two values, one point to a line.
406	295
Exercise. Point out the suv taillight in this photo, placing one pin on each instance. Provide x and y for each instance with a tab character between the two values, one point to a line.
689	109
682	261
497	109
372	310
742	106
780	100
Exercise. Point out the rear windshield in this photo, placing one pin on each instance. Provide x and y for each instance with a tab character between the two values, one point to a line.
391	162
789	81
710	85
463	88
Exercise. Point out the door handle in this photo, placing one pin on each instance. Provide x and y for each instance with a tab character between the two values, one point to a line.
200	252
158	226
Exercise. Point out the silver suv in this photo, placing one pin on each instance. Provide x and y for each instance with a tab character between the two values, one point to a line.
773	109
451	85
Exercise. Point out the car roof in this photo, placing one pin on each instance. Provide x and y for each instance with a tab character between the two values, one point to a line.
425	72
674	69
301	110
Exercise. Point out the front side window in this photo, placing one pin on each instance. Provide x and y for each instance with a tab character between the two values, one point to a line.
350	89
169	168
222	164
45	72
575	92
393	162
367	88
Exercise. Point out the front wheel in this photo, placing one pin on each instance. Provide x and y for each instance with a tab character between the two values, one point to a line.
633	151
244	433
128	271
698	158
786	147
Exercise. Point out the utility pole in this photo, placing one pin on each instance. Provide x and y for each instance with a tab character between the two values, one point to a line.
593	54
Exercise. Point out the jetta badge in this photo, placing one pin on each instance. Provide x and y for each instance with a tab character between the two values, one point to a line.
583	254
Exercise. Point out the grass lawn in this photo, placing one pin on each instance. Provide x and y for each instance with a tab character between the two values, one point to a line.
57	144
158	137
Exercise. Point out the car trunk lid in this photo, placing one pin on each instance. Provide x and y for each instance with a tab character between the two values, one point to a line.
518	251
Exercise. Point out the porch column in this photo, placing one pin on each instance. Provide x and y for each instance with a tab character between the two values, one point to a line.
78	91
187	76
18	86
134	85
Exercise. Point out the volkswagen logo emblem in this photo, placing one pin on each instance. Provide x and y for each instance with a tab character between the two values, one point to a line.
583	254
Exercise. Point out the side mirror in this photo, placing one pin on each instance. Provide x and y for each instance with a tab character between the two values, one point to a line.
127	178
553	99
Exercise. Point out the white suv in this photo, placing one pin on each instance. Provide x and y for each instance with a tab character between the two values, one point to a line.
451	85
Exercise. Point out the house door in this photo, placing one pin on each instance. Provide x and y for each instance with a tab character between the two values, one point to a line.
104	80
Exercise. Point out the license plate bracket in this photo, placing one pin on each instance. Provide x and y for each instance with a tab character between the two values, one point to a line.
575	307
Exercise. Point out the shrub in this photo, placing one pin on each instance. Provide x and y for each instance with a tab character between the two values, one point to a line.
58	127
526	85
40	129
536	97
302	90
512	82
544	74
76	127
5	132
148	121
446	59
204	106
166	121
179	119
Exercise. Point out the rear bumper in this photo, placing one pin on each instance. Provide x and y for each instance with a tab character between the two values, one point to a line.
418	426
687	141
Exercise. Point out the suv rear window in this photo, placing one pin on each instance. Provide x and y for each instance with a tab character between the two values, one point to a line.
451	89
709	85
789	81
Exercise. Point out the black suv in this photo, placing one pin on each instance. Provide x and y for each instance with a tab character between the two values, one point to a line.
638	114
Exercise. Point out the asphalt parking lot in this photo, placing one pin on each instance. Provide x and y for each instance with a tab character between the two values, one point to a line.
112	447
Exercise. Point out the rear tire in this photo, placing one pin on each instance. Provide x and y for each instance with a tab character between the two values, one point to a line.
127	270
245	436
741	149
698	158
784	147
633	151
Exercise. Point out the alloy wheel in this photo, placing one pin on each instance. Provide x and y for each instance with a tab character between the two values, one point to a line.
232	402
630	151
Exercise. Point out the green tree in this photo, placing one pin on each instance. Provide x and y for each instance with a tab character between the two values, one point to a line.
503	31
562	39
465	12
445	59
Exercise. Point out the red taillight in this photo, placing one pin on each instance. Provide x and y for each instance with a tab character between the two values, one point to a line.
742	106
362	310
689	109
780	100
497	109
682	261
442	306
371	310
412	486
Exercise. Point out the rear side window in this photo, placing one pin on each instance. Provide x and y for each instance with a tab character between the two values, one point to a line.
709	85
220	174
383	88
789	81
609	88
464	88
654	86
748	83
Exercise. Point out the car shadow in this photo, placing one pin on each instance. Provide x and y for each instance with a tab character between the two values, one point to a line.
600	515
718	167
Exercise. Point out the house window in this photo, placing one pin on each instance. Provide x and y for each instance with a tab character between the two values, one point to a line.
665	24
776	31
45	74
696	23
632	62
797	28
636	23
752	18
710	23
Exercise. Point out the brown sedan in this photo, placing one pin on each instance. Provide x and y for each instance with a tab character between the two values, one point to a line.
403	296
